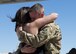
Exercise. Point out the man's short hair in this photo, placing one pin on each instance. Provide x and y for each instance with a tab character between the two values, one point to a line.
36	7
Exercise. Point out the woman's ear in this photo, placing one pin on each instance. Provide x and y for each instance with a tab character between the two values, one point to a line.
30	14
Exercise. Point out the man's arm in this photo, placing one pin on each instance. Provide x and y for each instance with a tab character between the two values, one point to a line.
36	41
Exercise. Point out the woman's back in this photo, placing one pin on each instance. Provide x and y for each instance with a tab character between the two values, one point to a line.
34	26
30	28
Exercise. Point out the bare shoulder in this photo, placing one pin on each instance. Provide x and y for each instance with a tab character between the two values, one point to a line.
29	25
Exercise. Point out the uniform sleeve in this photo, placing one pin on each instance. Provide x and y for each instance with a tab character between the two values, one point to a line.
36	41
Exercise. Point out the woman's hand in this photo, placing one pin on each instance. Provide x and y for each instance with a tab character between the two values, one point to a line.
54	15
28	49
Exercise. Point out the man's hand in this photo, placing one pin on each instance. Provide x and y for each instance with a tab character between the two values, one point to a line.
20	33
19	28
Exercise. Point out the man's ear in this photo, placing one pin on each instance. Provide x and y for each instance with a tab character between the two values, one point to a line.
42	15
32	14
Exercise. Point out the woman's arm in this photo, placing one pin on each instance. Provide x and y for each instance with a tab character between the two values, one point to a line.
44	20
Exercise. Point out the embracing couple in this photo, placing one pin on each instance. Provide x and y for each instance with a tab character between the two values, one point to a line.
37	33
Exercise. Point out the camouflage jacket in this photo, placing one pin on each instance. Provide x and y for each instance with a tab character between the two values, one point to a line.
50	35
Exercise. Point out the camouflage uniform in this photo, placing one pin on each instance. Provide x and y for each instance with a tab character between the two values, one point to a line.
50	35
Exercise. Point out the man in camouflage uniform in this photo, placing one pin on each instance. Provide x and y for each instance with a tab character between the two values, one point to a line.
50	35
